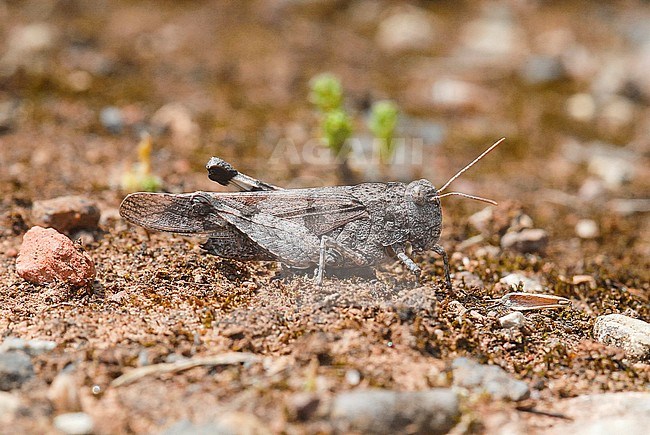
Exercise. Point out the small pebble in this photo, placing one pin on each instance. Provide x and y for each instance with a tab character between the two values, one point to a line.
494	36
481	220
487	251
529	285
47	256
493	380
15	368
455	94
410	30
613	170
74	423
539	70
591	190
514	320
631	335
377	411
525	241
112	119
27	47
66	213
353	377
581	107
587	229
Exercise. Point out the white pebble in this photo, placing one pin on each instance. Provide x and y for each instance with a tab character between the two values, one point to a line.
587	229
353	377
74	423
581	107
514	320
406	31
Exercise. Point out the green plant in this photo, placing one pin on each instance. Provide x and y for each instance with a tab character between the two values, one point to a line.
382	123
337	128
140	177
336	125
326	92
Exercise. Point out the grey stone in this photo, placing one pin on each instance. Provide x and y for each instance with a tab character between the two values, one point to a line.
539	70
525	241
493	380
15	368
377	411
31	347
631	335
74	423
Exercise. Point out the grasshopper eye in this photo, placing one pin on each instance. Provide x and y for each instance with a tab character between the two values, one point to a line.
419	195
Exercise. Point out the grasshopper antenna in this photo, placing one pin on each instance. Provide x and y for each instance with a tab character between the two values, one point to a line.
465	195
459	173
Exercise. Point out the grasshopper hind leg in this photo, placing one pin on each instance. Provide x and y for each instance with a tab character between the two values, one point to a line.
233	244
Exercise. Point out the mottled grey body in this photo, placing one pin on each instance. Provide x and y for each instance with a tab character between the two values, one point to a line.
328	227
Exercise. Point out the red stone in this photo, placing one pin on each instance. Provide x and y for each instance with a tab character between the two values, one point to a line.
48	256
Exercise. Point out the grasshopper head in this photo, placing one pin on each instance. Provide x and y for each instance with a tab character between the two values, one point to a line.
422	192
425	214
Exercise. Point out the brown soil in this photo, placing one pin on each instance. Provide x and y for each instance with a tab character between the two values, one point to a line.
243	72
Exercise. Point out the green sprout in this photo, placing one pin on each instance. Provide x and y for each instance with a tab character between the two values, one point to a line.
337	128
382	123
139	177
326	92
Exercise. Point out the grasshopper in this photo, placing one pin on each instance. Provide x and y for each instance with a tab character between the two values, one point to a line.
337	227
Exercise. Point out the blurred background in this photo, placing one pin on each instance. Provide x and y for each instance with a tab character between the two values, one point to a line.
566	83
